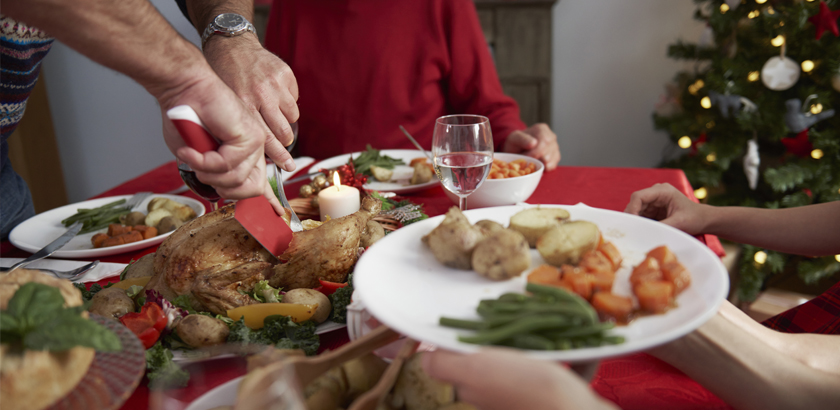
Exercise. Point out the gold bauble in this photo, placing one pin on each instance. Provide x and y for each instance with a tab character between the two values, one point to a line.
306	191
320	181
314	201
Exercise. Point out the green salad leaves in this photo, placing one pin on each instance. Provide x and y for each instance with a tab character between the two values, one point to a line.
372	156
36	319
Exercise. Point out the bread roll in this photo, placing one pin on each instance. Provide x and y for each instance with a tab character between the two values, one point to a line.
36	379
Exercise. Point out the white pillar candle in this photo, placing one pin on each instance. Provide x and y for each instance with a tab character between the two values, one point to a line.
338	200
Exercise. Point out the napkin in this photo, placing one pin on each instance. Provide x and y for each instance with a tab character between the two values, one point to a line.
101	271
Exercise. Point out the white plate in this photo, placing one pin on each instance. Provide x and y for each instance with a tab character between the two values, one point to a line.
222	395
402	173
406	288
34	233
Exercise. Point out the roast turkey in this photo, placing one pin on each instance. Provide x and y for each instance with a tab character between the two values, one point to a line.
216	262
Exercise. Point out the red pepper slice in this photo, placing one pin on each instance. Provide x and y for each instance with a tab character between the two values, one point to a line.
146	324
328	288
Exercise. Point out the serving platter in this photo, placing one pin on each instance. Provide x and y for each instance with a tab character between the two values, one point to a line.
402	173
407	289
36	232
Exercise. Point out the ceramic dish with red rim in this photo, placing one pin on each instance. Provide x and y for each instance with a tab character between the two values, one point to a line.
34	233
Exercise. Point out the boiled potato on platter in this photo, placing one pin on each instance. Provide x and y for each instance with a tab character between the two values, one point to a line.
305	296
534	222
200	331
566	243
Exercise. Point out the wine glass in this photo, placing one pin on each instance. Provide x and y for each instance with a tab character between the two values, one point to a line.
199	188
462	146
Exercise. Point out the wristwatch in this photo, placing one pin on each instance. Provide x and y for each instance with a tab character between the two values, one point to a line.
228	25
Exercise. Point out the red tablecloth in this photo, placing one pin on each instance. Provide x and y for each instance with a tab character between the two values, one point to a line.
633	382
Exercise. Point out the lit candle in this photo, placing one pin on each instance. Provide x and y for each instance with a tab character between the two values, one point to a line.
337	200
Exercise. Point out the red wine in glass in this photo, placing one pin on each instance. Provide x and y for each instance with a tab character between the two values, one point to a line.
199	188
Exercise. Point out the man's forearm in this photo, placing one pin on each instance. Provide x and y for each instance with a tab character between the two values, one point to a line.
202	12
129	36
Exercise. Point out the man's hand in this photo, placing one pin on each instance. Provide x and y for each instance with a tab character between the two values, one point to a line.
668	205
537	141
265	84
496	378
237	169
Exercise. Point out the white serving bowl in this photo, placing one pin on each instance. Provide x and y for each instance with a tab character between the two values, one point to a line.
507	191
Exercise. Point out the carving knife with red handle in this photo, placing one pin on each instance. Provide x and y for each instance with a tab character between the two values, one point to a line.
255	214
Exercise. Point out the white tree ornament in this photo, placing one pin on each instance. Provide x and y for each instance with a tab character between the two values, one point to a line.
780	73
751	163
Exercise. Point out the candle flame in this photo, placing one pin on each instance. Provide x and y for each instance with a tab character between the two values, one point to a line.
336	181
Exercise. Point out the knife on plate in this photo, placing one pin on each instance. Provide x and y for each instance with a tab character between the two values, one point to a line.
50	248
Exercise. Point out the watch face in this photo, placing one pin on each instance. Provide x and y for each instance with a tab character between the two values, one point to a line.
230	21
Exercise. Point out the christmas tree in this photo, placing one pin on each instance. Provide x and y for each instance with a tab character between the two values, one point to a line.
755	118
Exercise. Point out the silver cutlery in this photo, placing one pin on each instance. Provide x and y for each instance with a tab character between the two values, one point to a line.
294	221
302	178
136	200
417	144
72	274
50	248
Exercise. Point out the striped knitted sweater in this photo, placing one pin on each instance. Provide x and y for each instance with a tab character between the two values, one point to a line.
21	50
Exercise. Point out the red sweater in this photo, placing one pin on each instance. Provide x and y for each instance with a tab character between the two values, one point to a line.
364	67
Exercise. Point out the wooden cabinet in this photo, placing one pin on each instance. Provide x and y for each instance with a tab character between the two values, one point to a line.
518	33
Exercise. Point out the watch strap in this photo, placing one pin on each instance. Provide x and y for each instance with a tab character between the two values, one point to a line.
212	29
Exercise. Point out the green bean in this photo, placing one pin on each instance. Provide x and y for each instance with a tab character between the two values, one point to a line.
501	319
563	344
579	331
514	297
498	334
532	342
562	294
462	323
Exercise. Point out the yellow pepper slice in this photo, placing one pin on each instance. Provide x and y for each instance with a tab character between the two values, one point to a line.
255	314
125	284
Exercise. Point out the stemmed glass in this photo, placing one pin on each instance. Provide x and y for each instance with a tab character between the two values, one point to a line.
199	188
462	146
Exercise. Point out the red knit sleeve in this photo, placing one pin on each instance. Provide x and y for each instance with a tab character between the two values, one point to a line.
473	84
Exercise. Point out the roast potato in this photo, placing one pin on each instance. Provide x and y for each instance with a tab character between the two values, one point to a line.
422	174
111	303
452	241
200	331
566	243
145	266
373	232
305	296
534	222
381	174
133	218
502	255
489	226
416	390
169	223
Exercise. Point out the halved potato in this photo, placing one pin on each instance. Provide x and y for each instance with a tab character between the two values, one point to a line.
566	243
534	222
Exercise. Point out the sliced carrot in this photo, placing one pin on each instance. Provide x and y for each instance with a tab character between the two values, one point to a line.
595	261
580	283
655	296
98	239
662	255
611	252
613	306
648	270
545	275
677	274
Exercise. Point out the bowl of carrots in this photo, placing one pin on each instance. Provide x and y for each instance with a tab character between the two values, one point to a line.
512	179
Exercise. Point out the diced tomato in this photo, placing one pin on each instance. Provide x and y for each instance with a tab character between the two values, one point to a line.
595	262
146	324
328	288
677	274
545	275
613	306
611	252
662	255
655	296
648	270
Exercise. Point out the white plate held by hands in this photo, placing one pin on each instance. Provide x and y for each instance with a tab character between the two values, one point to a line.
34	233
407	289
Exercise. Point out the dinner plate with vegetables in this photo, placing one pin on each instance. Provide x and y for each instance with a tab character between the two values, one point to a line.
400	171
110	228
565	283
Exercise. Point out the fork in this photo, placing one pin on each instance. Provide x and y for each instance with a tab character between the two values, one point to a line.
72	274
136	199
